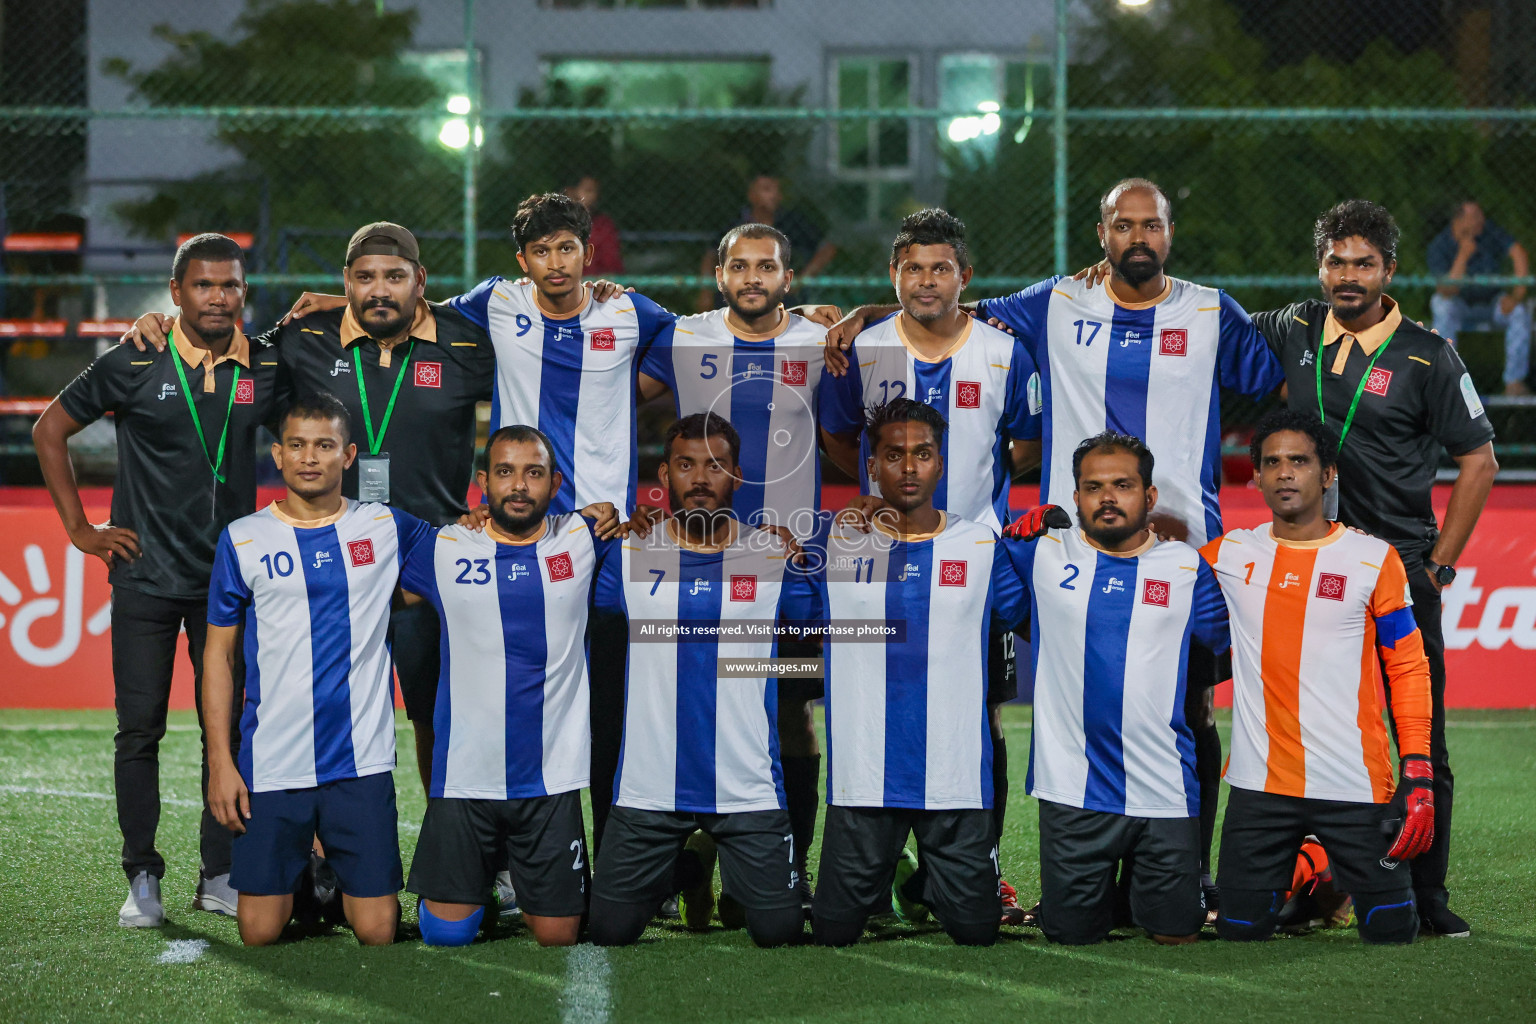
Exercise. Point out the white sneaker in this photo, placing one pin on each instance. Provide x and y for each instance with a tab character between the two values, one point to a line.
506	897
215	895
142	908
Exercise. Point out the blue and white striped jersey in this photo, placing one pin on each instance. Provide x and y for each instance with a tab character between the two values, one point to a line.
1153	370
985	387
767	386
696	741
573	377
907	718
314	598
1111	637
512	698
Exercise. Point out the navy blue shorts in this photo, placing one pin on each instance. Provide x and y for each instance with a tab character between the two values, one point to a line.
355	820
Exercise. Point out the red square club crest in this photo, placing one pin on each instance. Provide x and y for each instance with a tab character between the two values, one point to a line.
1379	380
792	372
1173	341
245	392
429	375
1155	592
1331	585
360	551
967	395
951	573
602	339
559	566
743	588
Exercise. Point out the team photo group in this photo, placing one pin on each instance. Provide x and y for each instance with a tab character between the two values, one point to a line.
552	632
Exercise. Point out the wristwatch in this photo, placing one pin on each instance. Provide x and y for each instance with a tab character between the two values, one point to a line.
1443	574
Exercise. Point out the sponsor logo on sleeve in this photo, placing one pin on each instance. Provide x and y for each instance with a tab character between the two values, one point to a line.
792	372
360	552
743	588
1036	399
1331	585
952	573
602	339
1470	396
968	395
1155	592
1378	382
245	392
559	567
1173	341
429	375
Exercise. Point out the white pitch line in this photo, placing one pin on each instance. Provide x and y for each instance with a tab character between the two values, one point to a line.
79	795
183	951
587	999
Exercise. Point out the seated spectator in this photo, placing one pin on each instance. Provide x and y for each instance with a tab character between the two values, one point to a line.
809	251
1473	245
606	257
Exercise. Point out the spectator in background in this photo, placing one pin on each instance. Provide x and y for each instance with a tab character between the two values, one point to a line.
765	205
1471	244
604	245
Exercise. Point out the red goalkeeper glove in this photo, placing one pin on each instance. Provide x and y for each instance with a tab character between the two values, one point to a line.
1033	524
1415	798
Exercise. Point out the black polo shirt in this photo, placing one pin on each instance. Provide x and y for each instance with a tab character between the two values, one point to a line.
448	365
1419	398
165	489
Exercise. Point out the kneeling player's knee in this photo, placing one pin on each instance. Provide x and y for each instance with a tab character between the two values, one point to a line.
1386	918
1248	915
438	931
827	932
617	924
769	928
972	933
553	931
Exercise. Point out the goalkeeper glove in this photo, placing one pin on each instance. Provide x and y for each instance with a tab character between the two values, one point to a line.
1033	524
1415	799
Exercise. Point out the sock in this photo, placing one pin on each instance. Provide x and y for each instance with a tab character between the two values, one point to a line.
999	785
802	791
1208	772
437	932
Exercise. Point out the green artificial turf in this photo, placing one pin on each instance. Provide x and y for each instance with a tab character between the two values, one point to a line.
63	958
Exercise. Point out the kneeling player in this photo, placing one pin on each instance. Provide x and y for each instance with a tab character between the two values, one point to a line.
700	749
311	577
513	744
1316	609
1111	759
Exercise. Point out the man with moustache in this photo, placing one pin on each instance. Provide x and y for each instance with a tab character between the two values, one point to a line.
1395	394
1112	760
700	747
513	745
186	419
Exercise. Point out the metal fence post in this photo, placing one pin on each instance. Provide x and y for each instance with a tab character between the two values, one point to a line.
472	150
1059	134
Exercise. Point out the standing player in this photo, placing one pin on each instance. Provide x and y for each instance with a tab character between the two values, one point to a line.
977	378
907	739
186	422
700	745
310	577
1111	759
762	369
513	746
1317	610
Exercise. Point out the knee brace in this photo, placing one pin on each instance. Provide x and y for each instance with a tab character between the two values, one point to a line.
769	928
972	933
617	924
1248	915
835	933
1386	917
435	931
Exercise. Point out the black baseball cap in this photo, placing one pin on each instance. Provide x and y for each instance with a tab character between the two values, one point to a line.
382	238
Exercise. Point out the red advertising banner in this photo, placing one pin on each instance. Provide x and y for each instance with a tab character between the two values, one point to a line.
56	619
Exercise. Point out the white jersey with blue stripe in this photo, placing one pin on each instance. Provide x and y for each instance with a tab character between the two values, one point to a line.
1111	639
314	599
767	386
512	698
907	722
985	387
1153	370
696	741
573	377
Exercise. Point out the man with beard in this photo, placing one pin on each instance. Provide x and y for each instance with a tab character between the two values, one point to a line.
700	739
186	421
975	376
762	369
1112	760
513	745
1395	394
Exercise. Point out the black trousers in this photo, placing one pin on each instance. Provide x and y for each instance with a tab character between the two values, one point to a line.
144	633
1429	868
607	656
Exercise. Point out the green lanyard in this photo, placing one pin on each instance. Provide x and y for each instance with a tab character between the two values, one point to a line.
1359	389
376	441
214	464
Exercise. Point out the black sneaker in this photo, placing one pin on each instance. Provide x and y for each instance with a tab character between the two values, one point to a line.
1210	896
803	889
1438	919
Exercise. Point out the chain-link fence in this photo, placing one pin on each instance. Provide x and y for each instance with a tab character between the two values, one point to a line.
290	122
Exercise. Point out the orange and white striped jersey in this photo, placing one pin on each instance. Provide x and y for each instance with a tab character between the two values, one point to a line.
1308	618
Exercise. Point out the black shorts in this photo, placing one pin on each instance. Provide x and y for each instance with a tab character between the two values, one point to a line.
801	690
861	845
756	851
1002	668
465	842
355	820
415	637
1079	853
1262	833
1204	668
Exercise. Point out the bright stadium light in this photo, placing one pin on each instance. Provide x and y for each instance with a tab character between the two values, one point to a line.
1134	3
964	129
455	133
458	105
